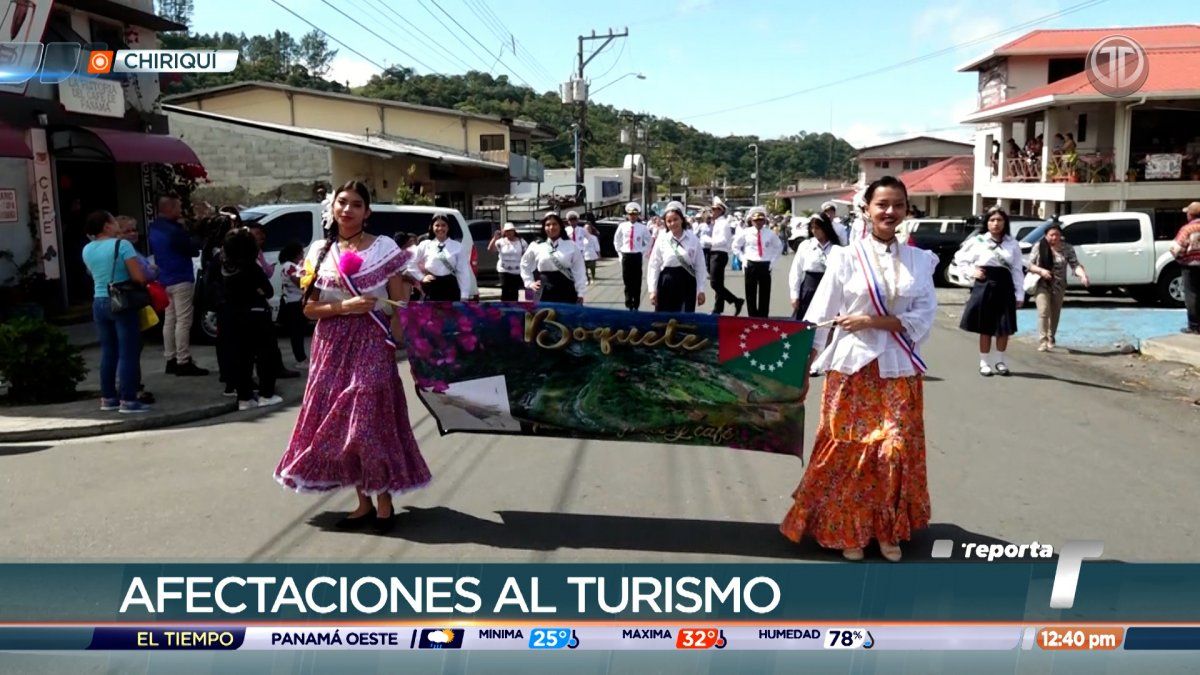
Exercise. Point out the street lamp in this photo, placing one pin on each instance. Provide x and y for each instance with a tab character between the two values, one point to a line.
755	146
637	75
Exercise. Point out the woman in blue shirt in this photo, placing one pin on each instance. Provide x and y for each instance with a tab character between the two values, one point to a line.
111	260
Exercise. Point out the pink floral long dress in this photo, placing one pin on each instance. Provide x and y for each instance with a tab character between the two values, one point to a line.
353	429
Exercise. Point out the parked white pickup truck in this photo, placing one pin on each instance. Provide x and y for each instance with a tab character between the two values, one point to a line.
1119	250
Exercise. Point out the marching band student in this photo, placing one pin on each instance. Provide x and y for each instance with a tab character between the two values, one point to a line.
353	428
994	261
676	277
509	248
704	230
866	479
444	264
809	265
724	227
591	253
760	248
560	273
632	240
575	230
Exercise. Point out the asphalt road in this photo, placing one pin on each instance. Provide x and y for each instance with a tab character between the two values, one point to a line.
1056	452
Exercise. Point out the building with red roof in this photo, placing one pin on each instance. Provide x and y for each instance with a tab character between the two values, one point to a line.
943	188
1132	150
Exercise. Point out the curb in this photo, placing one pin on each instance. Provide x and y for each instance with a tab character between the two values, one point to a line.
129	423
1165	350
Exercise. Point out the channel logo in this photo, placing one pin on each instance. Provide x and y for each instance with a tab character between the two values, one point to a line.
440	638
100	62
55	62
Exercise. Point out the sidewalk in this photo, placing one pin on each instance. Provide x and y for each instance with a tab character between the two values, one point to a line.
179	400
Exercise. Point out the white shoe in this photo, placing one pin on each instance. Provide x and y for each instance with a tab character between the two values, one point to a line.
852	554
986	370
274	400
890	551
248	404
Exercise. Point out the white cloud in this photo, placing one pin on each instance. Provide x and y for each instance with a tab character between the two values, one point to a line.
959	22
350	69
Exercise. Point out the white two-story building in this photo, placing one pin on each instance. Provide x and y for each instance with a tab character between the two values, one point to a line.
1140	151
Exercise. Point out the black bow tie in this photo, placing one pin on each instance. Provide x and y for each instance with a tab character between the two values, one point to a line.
441	247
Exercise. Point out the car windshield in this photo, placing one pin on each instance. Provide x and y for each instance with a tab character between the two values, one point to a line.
252	216
1037	234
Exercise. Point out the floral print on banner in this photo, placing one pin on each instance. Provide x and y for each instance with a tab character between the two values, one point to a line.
438	333
866	480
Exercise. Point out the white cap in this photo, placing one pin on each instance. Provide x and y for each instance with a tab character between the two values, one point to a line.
719	203
828	205
551	214
756	211
572	214
632	207
508	227
675	206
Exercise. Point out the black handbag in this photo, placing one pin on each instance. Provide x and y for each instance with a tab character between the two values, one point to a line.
128	295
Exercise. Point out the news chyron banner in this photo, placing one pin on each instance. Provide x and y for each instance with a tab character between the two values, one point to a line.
584	372
1001	606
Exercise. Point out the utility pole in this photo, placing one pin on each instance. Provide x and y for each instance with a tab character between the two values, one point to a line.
576	91
755	146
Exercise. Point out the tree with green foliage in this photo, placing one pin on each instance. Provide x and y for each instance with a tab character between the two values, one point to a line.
179	11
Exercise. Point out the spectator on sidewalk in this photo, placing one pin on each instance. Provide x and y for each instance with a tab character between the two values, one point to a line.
216	229
129	232
249	328
173	252
291	314
1186	249
1054	257
112	260
260	240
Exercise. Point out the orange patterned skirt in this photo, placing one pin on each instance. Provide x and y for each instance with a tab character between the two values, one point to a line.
866	479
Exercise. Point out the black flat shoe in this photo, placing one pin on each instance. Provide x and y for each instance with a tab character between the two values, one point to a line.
737	307
383	525
357	522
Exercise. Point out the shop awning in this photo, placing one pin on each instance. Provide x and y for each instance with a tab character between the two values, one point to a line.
136	148
12	143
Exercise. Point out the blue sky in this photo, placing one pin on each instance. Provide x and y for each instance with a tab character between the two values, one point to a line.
701	57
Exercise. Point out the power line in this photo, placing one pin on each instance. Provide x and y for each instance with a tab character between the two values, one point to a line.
415	33
615	61
909	62
529	55
452	32
385	40
322	32
508	40
485	48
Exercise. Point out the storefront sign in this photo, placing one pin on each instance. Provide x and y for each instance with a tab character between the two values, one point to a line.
148	206
8	205
92	96
1164	167
46	203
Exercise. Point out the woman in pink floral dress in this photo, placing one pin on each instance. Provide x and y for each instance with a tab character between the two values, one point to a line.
353	429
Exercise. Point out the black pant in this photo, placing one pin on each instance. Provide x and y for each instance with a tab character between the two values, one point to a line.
676	291
631	274
251	342
1191	295
758	288
224	352
590	266
291	317
443	289
510	287
717	260
556	287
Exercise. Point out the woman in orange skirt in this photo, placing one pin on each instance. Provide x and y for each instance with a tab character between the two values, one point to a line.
866	479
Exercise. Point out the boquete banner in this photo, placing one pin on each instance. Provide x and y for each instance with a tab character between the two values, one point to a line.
583	372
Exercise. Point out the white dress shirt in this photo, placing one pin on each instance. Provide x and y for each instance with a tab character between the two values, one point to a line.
906	274
753	244
982	250
509	255
723	229
810	257
578	235
632	237
671	252
704	231
559	255
443	258
858	228
592	250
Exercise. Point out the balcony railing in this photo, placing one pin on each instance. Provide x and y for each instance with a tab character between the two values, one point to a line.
1094	167
497	156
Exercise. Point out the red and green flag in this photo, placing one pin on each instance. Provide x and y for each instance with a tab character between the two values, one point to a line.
770	348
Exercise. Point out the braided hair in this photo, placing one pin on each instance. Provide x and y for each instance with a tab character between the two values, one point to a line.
362	191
